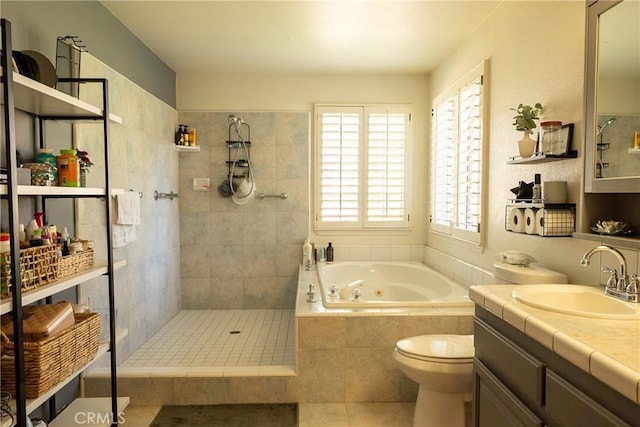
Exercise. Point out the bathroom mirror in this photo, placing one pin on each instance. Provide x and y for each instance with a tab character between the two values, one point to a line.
612	97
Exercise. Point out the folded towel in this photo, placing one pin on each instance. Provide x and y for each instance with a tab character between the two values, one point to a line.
128	208
123	235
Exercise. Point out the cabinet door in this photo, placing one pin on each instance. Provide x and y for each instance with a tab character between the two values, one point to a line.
495	405
521	372
570	407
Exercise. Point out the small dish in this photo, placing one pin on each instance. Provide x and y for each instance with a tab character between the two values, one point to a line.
611	233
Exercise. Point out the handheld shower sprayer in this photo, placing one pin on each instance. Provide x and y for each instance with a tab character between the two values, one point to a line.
601	129
235	120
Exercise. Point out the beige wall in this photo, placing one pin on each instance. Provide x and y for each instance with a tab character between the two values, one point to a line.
204	92
536	54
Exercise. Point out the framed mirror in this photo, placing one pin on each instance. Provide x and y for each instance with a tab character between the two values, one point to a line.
612	97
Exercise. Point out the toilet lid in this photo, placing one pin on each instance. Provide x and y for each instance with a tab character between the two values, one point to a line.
443	348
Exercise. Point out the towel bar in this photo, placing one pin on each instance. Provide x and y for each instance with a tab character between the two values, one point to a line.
281	195
169	196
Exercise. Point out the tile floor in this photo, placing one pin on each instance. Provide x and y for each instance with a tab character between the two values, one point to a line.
220	338
315	415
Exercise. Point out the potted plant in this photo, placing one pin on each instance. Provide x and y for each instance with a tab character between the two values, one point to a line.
524	121
85	163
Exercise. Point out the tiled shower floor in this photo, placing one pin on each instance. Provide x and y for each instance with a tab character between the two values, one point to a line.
210	341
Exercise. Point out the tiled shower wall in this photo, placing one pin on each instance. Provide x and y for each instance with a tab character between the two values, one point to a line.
147	289
244	256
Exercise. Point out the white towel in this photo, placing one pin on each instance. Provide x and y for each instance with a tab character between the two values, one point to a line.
128	216
123	235
128	208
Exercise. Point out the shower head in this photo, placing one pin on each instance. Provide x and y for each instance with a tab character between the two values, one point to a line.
601	129
235	120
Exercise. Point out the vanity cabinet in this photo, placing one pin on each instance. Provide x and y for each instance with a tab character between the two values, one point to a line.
45	103
519	382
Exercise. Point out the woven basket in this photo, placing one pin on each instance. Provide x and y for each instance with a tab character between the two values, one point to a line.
38	265
76	263
51	361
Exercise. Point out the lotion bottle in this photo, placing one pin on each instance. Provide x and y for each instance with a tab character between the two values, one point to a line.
306	253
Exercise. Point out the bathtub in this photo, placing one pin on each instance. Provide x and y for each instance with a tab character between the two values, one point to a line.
390	284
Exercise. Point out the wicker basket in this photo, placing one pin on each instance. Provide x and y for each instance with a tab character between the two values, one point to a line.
51	361
76	263
38	265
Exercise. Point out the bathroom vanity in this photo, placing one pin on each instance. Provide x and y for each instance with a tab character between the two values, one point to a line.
534	368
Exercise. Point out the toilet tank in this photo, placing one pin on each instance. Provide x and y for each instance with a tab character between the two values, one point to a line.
526	275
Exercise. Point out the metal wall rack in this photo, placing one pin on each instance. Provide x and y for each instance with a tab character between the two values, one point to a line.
45	103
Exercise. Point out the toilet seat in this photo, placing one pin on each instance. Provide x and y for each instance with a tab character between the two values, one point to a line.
453	349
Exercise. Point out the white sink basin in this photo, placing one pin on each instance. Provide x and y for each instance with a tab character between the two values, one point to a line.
578	300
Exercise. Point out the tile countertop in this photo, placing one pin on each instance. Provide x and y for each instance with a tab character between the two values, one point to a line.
607	349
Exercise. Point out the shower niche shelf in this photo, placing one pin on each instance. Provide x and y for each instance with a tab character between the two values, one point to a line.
195	148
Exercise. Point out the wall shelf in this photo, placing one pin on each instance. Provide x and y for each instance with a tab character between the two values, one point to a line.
617	241
542	158
184	148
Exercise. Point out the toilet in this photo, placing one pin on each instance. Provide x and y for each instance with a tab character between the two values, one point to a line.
442	365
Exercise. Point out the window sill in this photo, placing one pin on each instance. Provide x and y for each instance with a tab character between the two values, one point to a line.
451	240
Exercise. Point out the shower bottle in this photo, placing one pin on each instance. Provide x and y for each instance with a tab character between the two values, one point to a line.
329	253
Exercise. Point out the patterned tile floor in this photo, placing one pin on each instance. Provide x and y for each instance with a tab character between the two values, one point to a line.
220	338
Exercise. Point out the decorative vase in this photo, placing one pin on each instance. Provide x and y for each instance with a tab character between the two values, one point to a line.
526	146
83	177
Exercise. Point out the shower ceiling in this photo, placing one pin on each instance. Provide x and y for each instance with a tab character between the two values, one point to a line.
325	36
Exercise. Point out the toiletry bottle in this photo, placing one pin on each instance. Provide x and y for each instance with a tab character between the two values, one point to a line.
185	135
192	137
329	253
537	189
64	236
306	253
179	133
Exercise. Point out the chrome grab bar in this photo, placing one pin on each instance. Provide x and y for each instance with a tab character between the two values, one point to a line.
281	195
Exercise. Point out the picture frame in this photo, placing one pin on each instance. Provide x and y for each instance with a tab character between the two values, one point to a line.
557	142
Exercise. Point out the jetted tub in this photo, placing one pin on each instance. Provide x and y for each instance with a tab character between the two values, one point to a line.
390	284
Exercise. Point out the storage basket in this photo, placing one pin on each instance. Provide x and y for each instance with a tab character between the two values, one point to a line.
38	265
51	361
76	263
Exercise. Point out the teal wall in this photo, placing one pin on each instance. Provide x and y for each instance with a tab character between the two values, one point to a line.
36	24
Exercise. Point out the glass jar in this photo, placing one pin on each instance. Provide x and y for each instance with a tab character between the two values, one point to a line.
551	138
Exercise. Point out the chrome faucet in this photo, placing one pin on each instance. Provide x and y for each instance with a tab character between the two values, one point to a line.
622	288
345	292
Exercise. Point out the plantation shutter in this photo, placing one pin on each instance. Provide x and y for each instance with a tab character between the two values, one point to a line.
443	164
386	167
362	167
469	157
339	165
457	154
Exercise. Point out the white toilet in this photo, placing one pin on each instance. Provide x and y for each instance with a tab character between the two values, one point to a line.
443	367
443	364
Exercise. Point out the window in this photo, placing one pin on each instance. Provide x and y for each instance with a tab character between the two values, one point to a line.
362	167
457	127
